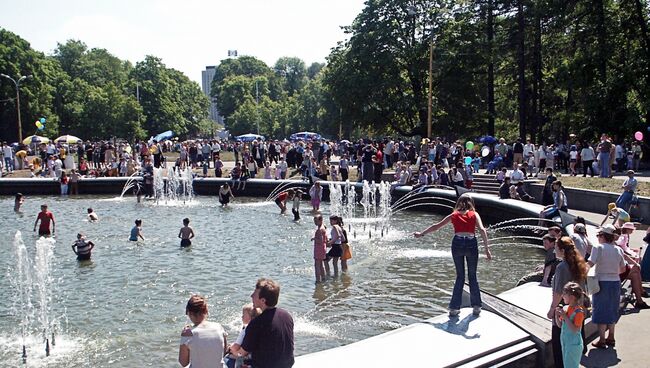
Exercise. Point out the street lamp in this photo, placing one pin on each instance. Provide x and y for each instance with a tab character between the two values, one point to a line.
412	11
17	85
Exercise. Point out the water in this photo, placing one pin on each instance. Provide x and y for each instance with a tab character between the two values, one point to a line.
125	308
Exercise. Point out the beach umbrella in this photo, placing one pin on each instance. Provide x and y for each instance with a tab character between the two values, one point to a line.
163	136
249	137
35	139
487	139
69	139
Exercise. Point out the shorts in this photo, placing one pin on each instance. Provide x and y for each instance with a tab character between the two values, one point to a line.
44	232
185	243
573	160
224	200
83	257
336	251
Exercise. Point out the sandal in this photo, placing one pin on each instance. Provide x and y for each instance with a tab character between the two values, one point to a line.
599	345
610	342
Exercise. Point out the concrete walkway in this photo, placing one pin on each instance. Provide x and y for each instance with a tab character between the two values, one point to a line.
632	330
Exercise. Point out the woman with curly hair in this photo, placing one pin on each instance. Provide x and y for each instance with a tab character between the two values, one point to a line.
572	268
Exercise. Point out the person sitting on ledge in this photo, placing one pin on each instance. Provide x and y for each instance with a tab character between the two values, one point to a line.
560	203
504	189
523	195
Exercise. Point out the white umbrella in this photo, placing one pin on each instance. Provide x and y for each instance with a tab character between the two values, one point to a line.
35	139
69	139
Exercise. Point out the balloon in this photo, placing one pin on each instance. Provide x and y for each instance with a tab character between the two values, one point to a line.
38	124
485	151
41	127
42	120
468	160
649	128
638	136
469	145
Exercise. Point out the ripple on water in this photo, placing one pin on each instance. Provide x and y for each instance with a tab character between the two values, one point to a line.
129	302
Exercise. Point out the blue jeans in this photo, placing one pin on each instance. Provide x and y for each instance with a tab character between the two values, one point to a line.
9	163
603	162
624	200
465	248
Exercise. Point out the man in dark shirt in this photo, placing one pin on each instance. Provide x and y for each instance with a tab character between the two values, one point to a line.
504	189
269	337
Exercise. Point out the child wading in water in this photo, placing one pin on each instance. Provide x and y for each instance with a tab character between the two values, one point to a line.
570	321
320	244
295	208
335	242
136	231
316	192
186	233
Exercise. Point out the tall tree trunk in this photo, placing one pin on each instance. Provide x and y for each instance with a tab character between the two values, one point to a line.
601	34
645	37
490	81
521	67
538	83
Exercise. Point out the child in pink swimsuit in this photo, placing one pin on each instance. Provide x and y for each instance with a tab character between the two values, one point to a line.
320	244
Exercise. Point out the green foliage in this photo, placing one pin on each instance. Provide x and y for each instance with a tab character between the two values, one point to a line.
92	94
586	67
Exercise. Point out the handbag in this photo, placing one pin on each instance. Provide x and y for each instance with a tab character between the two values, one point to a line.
347	253
593	286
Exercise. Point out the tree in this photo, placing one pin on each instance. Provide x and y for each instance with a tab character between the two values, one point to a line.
294	73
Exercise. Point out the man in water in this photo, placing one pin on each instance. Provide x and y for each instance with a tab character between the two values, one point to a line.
92	216
269	337
18	201
83	248
46	217
186	233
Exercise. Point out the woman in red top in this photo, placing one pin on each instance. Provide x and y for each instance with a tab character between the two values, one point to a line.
464	246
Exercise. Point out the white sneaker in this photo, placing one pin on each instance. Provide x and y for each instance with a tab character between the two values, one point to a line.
454	312
476	311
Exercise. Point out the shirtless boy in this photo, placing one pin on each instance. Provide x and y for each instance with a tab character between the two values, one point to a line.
186	233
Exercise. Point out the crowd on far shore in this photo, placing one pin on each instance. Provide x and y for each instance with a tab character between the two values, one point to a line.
428	162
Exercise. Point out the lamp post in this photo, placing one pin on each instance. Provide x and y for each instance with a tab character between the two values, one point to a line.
17	85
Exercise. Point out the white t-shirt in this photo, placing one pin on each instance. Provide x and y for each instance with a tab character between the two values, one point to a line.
609	260
516	176
206	345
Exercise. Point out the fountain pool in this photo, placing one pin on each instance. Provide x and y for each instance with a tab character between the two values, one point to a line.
125	308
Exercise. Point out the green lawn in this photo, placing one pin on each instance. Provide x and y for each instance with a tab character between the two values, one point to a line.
604	184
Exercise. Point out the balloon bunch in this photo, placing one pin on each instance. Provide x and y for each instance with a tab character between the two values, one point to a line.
40	123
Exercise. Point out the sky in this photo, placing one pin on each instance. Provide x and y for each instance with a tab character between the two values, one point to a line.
187	34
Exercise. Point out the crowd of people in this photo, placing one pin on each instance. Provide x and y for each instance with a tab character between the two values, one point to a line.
266	339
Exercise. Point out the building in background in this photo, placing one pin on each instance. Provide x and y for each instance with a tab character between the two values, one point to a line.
206	84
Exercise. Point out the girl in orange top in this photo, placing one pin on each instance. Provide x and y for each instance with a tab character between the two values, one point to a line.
570	321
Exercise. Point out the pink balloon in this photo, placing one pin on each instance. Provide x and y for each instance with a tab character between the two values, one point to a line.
638	136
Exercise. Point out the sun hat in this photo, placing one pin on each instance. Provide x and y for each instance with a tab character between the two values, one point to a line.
607	229
611	206
628	225
579	228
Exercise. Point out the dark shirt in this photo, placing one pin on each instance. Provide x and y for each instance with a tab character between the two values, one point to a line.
518	148
504	191
269	338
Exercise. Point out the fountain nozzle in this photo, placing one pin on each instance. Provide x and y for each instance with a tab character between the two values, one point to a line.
53	341
47	347
24	354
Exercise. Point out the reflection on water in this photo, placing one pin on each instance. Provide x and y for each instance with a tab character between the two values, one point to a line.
128	302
